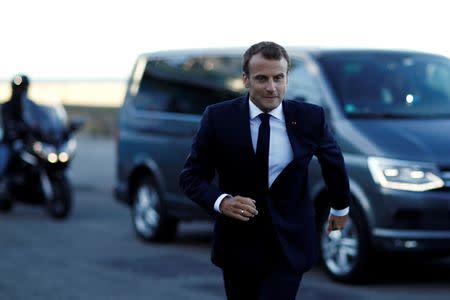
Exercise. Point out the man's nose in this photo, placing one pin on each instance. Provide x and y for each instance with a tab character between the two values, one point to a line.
270	86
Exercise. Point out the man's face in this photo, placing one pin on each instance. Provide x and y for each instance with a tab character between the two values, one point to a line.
266	81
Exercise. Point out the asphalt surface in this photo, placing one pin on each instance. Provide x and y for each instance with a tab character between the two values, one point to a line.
95	254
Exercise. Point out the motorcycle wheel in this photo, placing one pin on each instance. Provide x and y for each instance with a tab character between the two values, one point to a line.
6	205
60	206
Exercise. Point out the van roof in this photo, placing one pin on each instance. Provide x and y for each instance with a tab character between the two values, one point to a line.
292	50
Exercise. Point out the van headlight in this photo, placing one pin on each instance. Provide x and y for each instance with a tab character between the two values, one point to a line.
404	175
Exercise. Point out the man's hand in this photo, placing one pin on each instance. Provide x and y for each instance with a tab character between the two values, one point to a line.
240	208
336	223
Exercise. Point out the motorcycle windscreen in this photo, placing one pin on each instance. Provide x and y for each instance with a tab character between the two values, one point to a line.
48	121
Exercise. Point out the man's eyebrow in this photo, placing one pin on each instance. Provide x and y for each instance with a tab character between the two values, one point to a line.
264	75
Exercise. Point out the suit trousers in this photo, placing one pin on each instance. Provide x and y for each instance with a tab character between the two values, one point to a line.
278	282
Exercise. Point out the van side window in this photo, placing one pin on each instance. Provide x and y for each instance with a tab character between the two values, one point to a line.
302	84
150	99
187	84
437	77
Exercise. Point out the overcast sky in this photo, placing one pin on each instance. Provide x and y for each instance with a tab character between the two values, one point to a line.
87	39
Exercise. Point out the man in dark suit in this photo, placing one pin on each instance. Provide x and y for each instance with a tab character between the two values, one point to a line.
260	146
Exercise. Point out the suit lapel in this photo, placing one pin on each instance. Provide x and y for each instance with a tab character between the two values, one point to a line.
243	133
291	126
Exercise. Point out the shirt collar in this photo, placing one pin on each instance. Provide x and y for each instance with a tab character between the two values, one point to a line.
276	112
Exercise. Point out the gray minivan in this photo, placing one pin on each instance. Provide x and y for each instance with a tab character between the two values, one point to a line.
389	111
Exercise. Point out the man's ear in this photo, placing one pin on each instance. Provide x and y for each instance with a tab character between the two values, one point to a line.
246	80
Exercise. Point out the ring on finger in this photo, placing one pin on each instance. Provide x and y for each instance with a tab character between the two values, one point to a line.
242	212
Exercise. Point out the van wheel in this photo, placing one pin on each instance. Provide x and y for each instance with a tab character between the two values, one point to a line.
345	253
150	220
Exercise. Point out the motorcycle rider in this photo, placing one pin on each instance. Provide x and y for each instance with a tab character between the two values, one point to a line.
37	137
14	127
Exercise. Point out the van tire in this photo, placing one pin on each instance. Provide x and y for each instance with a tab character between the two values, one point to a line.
149	214
352	242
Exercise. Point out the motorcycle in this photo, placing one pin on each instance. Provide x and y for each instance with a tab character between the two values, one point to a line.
37	173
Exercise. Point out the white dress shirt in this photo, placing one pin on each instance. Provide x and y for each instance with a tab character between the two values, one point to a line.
280	150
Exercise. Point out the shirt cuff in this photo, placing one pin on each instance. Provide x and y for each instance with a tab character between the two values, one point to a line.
340	212
218	201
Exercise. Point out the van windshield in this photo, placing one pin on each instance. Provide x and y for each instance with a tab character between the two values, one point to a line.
389	84
188	83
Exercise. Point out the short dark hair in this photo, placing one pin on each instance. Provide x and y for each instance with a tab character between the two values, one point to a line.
269	50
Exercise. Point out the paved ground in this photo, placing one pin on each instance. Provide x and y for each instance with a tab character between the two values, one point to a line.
95	255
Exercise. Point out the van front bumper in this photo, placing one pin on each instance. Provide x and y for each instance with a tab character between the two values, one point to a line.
412	221
412	240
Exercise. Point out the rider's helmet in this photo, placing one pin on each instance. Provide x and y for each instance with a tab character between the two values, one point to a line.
20	83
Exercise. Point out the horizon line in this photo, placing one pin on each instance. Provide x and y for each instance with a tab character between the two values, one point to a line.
71	79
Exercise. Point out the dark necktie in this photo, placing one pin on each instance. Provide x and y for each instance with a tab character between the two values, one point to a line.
262	149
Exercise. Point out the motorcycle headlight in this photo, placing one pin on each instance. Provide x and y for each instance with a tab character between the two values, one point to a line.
50	153
43	149
46	151
69	147
404	175
37	147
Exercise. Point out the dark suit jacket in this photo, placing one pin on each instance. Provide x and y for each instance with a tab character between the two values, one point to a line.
286	215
